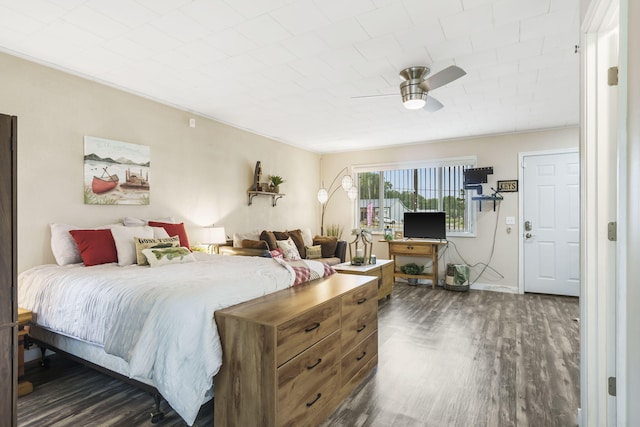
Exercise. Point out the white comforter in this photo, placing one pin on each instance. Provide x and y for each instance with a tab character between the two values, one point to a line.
172	338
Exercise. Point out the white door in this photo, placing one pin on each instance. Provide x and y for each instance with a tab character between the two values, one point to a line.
551	223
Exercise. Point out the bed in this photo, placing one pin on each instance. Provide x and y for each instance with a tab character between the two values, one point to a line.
152	325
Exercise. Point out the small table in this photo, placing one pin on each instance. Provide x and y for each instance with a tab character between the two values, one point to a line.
383	269
24	318
422	248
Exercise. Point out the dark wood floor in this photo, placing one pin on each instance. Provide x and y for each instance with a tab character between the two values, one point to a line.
445	359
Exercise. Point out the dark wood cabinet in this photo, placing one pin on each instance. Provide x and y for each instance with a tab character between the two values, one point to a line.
8	272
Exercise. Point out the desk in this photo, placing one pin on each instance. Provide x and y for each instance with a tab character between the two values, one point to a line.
416	248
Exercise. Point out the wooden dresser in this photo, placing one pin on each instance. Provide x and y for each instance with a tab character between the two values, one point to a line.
289	358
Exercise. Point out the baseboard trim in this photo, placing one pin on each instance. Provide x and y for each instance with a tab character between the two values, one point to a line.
494	288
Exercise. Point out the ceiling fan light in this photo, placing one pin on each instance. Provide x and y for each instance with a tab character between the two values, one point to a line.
413	97
414	104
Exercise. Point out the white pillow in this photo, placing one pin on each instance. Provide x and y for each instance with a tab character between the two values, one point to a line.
125	244
130	221
64	248
289	249
160	233
307	237
239	237
164	256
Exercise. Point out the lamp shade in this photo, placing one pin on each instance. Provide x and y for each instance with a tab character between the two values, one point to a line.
352	193
347	182
323	195
214	235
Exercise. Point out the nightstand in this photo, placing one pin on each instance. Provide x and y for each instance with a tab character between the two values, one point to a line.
383	269
24	318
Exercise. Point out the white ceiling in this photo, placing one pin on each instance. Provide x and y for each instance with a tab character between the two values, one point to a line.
288	69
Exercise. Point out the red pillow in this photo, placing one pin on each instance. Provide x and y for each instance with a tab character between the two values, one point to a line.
95	246
174	230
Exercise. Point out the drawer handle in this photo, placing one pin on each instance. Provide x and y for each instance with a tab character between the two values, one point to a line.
361	328
364	353
362	300
311	328
314	365
309	404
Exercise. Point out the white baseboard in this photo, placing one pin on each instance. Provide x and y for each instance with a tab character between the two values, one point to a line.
476	286
494	288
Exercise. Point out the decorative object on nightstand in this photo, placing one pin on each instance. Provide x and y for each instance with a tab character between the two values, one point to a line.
24	318
360	248
214	236
324	195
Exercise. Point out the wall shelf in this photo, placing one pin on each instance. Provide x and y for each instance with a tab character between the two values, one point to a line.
274	196
483	198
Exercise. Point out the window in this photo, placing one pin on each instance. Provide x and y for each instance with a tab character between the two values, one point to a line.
386	192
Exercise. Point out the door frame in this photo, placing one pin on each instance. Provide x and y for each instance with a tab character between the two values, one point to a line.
521	156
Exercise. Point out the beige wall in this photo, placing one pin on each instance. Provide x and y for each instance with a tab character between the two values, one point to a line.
500	152
198	175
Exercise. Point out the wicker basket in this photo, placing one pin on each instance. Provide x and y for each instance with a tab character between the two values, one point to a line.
449	282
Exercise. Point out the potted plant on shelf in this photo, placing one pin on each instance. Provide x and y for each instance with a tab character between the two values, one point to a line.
274	183
413	269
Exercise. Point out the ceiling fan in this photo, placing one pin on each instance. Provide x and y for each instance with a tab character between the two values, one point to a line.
415	88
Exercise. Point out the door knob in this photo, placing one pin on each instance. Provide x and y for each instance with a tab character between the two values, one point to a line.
528	235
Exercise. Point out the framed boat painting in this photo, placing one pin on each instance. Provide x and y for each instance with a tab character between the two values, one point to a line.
115	172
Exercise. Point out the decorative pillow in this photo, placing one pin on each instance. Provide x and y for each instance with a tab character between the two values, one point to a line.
269	237
163	256
276	253
130	221
328	244
239	237
95	246
255	244
296	236
289	249
281	235
64	248
174	230
160	233
314	252
307	237
142	244
125	244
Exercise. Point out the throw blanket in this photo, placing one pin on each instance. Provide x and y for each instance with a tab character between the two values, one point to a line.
160	320
303	271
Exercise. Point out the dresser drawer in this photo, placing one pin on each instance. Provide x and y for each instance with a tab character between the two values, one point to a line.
307	382
305	330
358	322
359	357
354	300
406	248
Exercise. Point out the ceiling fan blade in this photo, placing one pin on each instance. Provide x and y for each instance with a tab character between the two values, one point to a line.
432	104
442	78
374	96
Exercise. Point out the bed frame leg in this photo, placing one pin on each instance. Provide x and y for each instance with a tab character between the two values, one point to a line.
44	362
157	415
